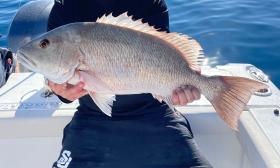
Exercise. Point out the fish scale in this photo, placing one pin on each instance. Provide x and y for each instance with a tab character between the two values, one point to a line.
145	65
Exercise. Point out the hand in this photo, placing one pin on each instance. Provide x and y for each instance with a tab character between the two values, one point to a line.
184	95
68	91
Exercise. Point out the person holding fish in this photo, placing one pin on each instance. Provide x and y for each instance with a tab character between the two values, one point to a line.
142	132
101	53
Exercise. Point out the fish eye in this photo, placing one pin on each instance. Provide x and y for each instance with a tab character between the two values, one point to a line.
44	43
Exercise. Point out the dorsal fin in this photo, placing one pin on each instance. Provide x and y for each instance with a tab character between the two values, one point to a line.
190	48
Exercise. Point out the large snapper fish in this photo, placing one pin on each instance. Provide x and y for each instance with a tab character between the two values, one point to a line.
117	55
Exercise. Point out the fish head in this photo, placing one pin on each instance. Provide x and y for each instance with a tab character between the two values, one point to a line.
54	54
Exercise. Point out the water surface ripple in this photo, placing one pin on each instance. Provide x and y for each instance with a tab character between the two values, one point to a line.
239	31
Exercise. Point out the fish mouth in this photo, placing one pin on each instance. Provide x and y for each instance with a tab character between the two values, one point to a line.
25	61
56	77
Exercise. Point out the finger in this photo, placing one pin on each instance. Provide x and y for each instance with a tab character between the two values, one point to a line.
182	98
175	98
188	94
77	95
54	85
75	89
196	93
81	94
199	71
73	92
50	83
57	88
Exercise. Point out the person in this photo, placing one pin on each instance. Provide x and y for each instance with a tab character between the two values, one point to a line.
6	65
142	131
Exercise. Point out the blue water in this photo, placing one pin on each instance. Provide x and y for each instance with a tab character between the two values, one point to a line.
239	31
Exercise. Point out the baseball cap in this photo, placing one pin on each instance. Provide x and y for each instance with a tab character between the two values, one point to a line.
30	21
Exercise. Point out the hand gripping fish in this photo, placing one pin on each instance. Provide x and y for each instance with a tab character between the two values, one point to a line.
117	56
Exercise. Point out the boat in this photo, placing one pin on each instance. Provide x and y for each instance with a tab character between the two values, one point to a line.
32	120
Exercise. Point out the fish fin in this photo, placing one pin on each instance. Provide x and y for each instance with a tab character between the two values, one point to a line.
188	47
233	97
93	83
168	101
104	102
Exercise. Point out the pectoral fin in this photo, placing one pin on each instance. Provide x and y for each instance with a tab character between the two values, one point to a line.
93	83
104	102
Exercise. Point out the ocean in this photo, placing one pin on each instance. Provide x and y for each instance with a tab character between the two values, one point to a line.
230	31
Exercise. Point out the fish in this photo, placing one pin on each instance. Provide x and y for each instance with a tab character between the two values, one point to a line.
121	56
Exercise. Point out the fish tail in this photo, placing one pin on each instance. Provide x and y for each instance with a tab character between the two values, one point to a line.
231	98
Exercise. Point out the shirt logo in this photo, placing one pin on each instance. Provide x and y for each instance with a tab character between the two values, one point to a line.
64	160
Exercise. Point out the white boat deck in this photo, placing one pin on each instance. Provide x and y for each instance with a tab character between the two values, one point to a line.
31	126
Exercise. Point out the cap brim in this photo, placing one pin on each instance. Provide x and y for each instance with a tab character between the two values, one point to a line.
30	21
